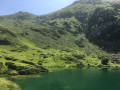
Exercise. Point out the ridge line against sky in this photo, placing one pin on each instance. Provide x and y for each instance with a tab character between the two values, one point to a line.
37	7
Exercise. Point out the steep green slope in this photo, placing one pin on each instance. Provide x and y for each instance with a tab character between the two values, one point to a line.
14	54
78	35
21	56
62	28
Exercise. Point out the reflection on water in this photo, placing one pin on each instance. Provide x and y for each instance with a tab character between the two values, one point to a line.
73	79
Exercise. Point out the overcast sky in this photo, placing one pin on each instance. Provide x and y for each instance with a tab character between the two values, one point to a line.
37	7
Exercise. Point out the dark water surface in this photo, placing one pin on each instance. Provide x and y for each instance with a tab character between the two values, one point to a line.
72	79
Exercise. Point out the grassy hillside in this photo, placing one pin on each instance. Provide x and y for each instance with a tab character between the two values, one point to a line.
82	34
8	85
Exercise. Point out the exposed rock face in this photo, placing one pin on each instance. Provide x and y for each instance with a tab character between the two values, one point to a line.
104	29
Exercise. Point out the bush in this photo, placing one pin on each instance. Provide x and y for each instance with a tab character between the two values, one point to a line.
62	32
28	62
79	56
79	43
105	60
80	64
10	58
11	65
70	58
1	65
55	35
24	47
32	70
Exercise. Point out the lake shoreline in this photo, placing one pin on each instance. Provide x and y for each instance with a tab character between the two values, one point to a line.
53	68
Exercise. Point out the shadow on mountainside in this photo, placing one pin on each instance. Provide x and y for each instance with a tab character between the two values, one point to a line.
104	29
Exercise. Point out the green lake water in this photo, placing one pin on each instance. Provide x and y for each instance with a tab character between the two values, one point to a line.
72	79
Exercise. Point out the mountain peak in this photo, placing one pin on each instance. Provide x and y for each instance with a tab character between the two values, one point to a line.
96	1
23	13
88	1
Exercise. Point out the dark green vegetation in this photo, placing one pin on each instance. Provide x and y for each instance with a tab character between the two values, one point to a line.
72	79
85	33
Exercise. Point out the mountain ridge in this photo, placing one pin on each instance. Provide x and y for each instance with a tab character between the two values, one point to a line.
82	34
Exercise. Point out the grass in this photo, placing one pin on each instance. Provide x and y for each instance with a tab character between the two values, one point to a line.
31	44
54	40
8	85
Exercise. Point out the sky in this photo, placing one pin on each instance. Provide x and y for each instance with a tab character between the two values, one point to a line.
37	7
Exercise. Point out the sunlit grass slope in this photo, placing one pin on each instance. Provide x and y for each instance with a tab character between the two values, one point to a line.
67	38
8	85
